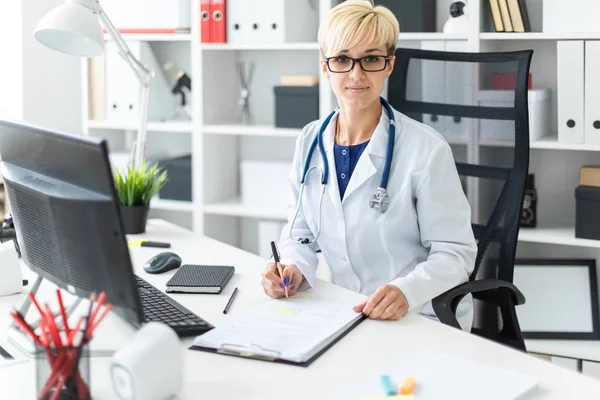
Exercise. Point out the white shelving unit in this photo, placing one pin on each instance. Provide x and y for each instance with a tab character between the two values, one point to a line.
219	142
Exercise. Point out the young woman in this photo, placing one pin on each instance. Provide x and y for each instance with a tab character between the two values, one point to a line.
392	221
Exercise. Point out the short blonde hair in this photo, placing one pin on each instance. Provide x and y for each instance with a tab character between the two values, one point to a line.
354	22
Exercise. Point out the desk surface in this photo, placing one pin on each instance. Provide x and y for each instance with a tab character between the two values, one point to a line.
367	350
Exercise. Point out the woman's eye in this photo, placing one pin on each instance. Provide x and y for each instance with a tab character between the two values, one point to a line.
371	59
341	60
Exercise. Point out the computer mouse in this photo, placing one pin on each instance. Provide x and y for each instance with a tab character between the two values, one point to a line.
162	262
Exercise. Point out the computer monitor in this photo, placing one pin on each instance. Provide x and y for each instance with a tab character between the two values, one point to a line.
67	218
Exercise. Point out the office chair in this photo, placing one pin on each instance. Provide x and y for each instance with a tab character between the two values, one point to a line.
488	129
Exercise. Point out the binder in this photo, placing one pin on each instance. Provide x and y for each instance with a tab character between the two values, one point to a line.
205	17
508	27
325	321
217	21
592	93
432	73
497	16
457	89
123	87
515	16
570	90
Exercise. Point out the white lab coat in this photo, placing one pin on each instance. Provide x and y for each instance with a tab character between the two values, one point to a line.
423	244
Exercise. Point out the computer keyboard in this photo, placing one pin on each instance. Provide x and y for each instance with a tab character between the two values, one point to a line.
159	307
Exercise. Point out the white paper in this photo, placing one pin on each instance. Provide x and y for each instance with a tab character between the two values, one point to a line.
440	376
294	329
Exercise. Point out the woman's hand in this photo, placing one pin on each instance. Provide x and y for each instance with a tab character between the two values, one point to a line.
275	284
388	302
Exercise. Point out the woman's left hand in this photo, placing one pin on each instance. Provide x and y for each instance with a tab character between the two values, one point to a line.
388	302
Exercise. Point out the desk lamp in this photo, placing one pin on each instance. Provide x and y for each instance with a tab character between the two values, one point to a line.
73	28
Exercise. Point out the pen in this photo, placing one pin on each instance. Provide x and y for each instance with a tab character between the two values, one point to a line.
230	300
277	263
149	243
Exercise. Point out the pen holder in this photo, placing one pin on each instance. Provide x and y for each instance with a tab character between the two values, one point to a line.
63	374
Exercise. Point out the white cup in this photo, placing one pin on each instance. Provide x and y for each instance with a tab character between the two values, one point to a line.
11	277
150	366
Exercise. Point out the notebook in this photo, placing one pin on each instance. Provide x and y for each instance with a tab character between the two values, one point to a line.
442	376
292	331
200	279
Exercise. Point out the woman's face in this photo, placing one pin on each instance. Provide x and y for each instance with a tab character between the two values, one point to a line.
358	88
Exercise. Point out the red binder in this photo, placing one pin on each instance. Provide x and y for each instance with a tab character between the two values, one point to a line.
205	20
218	15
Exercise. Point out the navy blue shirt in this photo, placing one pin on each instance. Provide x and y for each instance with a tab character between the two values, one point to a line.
346	158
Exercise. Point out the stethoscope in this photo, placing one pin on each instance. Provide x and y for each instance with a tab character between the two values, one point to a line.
380	200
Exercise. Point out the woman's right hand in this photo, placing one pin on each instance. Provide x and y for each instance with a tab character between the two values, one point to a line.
274	284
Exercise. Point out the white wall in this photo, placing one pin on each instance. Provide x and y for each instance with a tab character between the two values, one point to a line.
38	85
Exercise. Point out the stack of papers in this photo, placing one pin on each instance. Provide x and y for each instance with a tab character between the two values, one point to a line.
288	329
444	377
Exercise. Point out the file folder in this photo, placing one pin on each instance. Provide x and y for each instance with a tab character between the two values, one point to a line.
570	90
292	331
592	92
218	17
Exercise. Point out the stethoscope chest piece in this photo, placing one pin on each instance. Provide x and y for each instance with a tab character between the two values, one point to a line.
380	200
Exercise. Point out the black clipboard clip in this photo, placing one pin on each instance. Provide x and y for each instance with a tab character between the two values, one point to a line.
248	351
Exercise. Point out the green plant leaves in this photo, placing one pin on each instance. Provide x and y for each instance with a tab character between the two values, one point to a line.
138	185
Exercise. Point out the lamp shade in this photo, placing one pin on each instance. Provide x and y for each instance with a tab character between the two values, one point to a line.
73	29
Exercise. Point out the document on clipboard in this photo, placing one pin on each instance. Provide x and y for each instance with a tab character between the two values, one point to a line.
292	331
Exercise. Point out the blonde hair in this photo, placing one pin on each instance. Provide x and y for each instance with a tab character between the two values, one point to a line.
354	22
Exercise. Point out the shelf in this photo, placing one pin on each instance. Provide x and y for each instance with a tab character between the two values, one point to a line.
551	143
406	36
154	37
235	208
171	205
258	46
169	126
250	130
537	36
555	235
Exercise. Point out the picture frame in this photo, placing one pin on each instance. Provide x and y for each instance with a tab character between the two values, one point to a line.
561	298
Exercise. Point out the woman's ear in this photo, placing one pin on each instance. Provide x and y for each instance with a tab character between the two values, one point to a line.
324	68
390	67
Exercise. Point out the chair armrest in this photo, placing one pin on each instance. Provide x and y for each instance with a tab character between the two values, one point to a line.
445	304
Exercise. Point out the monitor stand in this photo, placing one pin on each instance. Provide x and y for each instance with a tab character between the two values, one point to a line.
23	341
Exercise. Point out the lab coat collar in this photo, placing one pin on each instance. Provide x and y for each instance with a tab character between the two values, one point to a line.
377	145
366	167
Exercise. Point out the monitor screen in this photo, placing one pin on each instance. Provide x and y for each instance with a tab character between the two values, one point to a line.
67	218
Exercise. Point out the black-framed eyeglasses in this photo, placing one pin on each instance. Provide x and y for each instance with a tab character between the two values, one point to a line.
370	63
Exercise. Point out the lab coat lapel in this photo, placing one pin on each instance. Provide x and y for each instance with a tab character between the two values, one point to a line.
372	159
332	183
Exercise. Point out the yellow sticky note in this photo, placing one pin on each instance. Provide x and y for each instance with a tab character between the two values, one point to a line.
398	397
283	311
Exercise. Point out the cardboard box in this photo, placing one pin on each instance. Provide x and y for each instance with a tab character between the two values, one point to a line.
589	175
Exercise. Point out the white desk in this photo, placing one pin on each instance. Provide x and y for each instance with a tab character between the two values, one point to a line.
365	351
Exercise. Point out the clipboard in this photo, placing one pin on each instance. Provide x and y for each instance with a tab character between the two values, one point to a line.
255	352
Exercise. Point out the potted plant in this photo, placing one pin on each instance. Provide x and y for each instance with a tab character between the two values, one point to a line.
135	189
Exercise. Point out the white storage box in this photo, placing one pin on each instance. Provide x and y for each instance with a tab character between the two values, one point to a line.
539	114
265	184
271	21
572	17
164	16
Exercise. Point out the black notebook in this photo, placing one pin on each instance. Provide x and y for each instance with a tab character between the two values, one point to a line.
200	279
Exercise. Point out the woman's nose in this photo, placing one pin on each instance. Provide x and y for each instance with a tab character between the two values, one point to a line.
356	72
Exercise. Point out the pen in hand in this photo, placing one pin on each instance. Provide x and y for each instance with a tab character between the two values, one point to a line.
278	265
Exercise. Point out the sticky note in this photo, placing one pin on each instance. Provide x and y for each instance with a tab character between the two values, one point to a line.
283	311
408	386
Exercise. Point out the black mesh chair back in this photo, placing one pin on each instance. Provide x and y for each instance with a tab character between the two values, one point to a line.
478	102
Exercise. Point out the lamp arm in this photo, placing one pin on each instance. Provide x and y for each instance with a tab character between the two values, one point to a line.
142	72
